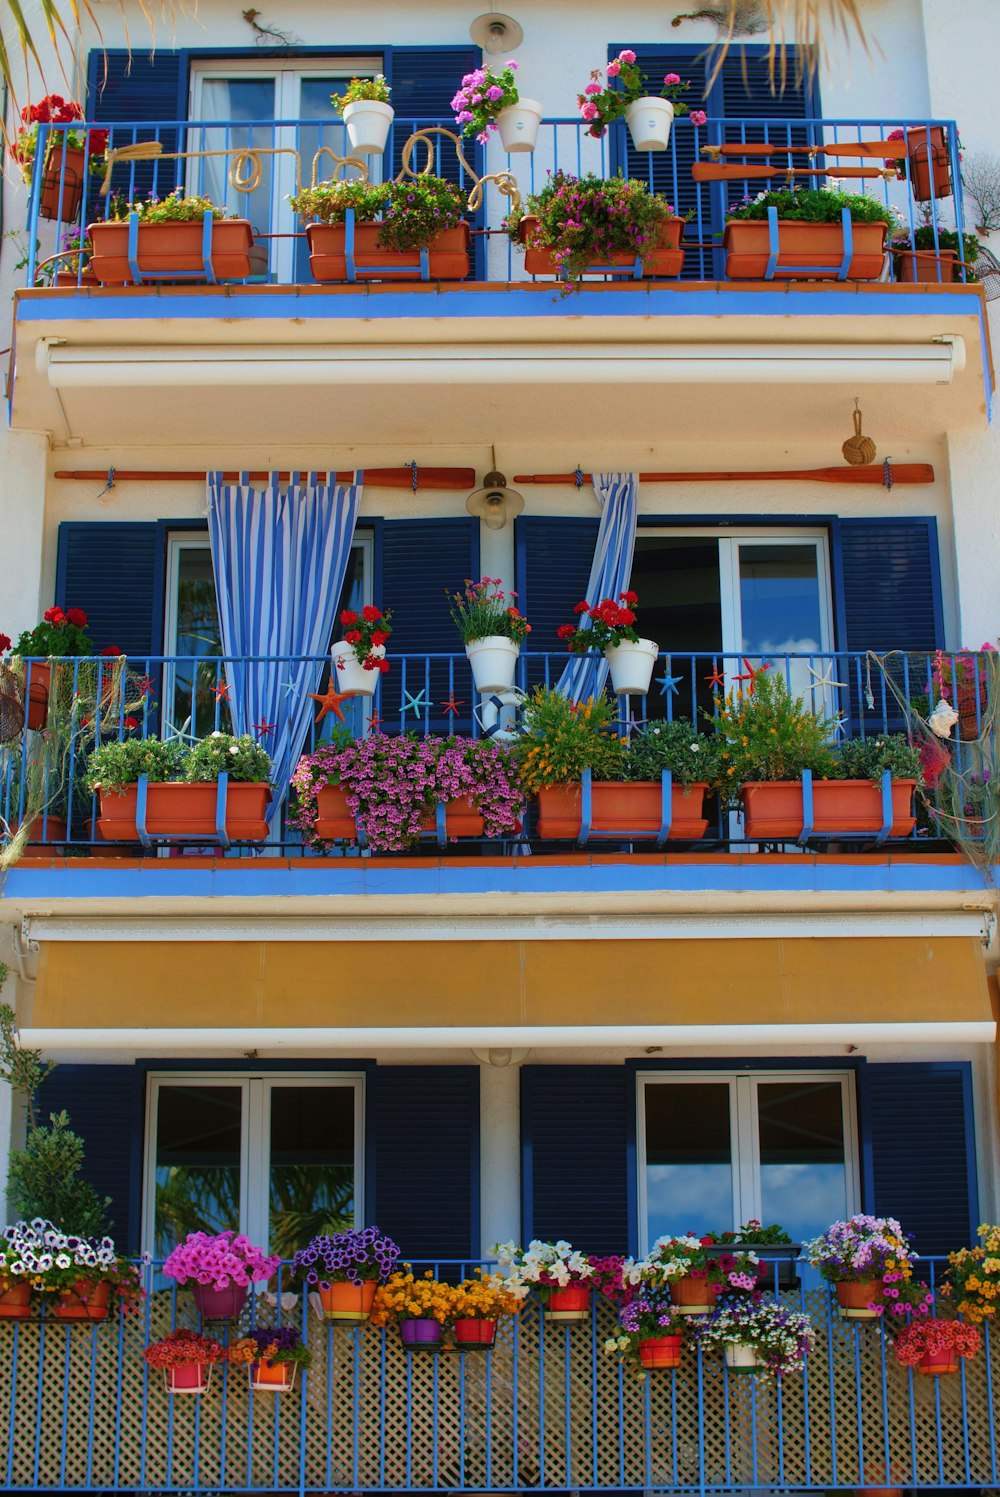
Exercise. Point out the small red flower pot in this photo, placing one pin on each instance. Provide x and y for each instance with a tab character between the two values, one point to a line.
272	1377
938	1363
568	1304
219	1304
84	1302
190	1377
15	1302
350	1302
475	1335
693	1296
660	1351
855	1300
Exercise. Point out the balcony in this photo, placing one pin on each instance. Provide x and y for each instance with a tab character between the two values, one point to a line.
79	1410
916	346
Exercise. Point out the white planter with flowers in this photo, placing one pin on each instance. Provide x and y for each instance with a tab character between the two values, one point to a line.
649	120
631	664
368	122
518	126
354	678
742	1358
493	661
359	658
610	627
492	631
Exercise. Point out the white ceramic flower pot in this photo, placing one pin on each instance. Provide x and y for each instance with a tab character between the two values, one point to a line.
649	122
632	666
493	661
519	124
742	1358
368	122
351	674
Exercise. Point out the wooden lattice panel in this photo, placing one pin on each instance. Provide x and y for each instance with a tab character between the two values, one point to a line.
547	1408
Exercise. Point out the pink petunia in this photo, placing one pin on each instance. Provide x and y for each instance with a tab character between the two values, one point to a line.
588	111
592	88
672	78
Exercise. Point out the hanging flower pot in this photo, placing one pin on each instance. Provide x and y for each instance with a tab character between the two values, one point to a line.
347	1302
39	687
693	1296
742	1358
15	1302
421	1334
518	125
353	678
219	1304
656	1352
272	1377
631	664
84	1301
649	120
861	1300
368	122
938	1363
190	1377
475	1335
62	182
493	660
572	1303
930	165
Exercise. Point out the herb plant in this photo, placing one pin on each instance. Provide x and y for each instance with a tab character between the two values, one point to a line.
174	208
822	205
117	764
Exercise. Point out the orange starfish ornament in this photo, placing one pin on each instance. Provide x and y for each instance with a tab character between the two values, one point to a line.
330	701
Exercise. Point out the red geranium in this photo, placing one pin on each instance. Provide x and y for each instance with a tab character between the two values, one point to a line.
112	652
55	615
4	643
379	637
364	637
77	616
609	624
348	616
371	614
353	636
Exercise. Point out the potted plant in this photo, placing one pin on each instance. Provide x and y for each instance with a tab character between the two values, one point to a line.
18	1244
694	1275
221	1267
799	234
272	1356
862	763
359	657
388	789
928	162
367	114
419	1307
611	629
62	635
400	231
648	116
176	237
346	1269
758	1335
930	254
492	631
561	1277
489	101
934	1346
774	1249
972	1281
691	760
73	269
559	743
70	154
81	1276
855	1255
477	1305
962	678
183	787
650	1330
186	1359
575	226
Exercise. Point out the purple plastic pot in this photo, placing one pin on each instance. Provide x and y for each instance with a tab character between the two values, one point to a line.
219	1304
420	1334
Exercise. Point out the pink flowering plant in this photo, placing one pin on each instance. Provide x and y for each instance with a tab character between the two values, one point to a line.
960	671
860	1249
602	102
689	1257
584	221
482	96
485	609
394	783
219	1260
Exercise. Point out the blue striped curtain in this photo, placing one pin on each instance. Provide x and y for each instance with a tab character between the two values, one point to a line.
279	560
618	496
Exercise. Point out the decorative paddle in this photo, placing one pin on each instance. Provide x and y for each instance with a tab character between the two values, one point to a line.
874	474
723	171
884	150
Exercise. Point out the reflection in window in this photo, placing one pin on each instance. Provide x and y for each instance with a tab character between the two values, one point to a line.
198	1133
689	1167
802	1176
312	1164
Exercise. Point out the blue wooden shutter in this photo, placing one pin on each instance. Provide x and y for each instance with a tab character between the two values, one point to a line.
920	1152
129	88
114	572
554	557
574	1165
423	561
426	1150
104	1107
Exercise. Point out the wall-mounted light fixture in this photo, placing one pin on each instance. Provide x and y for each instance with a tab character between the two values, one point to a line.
494	503
495	32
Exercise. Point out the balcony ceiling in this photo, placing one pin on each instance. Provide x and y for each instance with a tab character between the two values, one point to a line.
240	364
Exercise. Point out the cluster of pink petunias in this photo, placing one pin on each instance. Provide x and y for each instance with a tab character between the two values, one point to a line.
220	1260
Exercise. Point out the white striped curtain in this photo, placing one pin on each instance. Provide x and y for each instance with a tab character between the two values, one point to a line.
279	559
618	496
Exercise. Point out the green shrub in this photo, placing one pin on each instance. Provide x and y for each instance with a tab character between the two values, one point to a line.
821	205
412	212
562	738
690	756
767	734
115	765
242	758
869	758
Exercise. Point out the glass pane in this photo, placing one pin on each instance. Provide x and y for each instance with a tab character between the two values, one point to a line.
245	109
803	1170
312	1164
779	599
680	601
322	130
689	1167
352	595
197	1161
197	636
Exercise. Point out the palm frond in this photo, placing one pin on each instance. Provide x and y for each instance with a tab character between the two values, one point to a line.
802	28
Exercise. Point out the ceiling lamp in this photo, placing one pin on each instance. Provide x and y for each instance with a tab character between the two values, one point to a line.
496	33
494	502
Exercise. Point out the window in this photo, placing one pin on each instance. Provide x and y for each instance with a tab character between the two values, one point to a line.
277	1156
718	1148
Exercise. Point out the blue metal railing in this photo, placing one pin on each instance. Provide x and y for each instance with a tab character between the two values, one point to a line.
288	148
549	1406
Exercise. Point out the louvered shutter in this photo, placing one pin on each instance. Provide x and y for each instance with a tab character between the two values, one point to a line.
426	1151
574	1165
125	89
114	572
917	1130
424	82
104	1107
422	563
554	557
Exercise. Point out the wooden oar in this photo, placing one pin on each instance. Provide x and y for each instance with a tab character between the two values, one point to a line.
884	150
723	171
455	479
872	473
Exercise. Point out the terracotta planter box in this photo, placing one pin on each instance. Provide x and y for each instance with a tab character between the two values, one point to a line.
772	810
801	248
68	170
168	249
930	166
922	265
15	1303
621	810
38	696
84	1302
70	278
448	255
52	828
185	811
664	263
335	820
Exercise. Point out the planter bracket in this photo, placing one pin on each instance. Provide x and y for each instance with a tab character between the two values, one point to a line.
141	276
840	270
625	833
809	815
148	839
354	269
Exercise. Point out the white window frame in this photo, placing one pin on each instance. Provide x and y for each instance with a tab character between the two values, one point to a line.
254	1088
744	1139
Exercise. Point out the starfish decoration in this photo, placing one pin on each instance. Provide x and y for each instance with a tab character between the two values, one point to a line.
220	690
417	702
668	683
452	706
375	722
262	728
752	674
825	678
717	678
329	701
178	735
146	685
839	726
